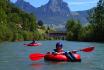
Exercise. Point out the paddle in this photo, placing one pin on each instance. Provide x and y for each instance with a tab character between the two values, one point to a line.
38	56
88	49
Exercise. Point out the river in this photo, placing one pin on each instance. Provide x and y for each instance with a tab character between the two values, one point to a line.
14	56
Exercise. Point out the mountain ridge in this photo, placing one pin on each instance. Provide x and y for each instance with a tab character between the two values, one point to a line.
54	12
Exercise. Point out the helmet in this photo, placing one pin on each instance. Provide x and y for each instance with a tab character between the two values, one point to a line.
58	44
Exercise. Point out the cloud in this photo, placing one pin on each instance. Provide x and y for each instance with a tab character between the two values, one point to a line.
81	3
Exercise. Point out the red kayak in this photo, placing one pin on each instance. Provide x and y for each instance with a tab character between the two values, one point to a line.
35	44
60	57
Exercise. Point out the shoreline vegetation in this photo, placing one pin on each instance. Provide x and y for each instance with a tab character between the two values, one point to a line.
91	32
17	25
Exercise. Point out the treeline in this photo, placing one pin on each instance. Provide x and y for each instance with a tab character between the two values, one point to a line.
17	25
94	31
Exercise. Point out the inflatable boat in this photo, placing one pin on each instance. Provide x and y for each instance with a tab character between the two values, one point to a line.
61	57
34	44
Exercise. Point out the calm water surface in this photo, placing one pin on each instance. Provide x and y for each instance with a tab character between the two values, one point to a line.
14	56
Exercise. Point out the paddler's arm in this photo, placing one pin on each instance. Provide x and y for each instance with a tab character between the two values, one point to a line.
73	51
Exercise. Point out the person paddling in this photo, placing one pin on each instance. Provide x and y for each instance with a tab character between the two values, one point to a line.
59	50
33	42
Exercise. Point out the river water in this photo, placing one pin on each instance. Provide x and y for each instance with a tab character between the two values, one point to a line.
14	56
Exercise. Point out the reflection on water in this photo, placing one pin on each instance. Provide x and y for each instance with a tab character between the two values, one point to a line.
37	66
54	62
41	66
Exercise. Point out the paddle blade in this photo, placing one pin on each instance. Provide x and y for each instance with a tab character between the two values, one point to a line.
36	56
88	49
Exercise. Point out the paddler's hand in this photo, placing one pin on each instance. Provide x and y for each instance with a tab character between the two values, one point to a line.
54	53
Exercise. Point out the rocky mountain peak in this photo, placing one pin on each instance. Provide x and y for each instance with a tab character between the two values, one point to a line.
57	5
56	8
55	2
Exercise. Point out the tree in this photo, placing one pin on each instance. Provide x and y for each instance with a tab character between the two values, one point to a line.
32	23
73	29
86	33
40	23
16	24
97	21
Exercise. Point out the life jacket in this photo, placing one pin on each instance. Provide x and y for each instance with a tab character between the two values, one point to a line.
56	50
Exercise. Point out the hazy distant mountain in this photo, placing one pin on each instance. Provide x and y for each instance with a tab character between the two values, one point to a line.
25	6
54	12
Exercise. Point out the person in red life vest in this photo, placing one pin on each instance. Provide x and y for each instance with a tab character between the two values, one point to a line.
33	42
59	50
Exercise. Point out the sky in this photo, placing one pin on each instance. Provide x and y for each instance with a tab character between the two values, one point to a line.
74	5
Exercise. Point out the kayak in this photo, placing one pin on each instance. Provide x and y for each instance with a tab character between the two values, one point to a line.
34	44
61	57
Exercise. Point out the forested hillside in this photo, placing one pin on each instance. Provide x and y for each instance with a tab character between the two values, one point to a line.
16	24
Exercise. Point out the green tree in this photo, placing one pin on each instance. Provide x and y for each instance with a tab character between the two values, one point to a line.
97	21
33	25
16	24
86	33
40	23
73	29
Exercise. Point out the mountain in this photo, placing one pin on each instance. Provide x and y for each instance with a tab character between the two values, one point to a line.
54	12
81	15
